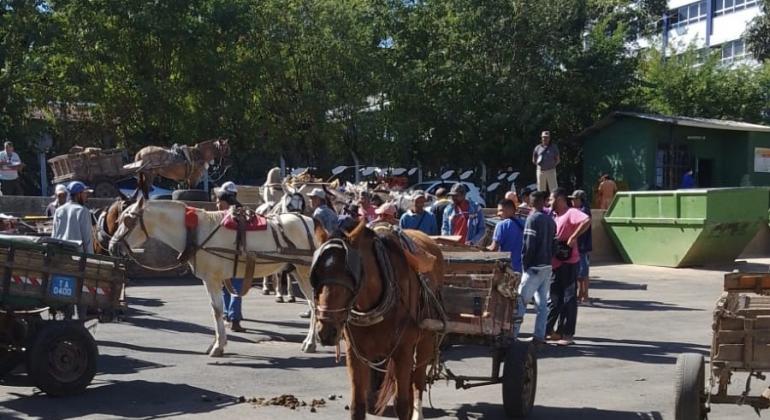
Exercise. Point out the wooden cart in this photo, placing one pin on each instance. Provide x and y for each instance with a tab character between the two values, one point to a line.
101	168
479	299
41	275
741	343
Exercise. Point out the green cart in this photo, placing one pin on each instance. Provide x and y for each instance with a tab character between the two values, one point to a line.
41	277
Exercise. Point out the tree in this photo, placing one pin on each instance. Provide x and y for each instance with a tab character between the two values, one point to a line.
758	33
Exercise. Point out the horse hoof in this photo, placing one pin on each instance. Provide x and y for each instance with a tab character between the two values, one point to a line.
265	292
218	352
308	347
292	299
279	299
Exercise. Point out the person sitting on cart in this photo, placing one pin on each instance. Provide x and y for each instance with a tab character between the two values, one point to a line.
72	222
227	197
60	195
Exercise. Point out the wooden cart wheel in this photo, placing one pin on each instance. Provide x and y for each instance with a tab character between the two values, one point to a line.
105	189
689	391
519	379
62	360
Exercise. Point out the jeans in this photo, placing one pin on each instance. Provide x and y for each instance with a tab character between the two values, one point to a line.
233	303
535	281
583	265
562	304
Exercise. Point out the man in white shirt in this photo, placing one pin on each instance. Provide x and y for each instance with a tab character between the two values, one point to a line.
10	163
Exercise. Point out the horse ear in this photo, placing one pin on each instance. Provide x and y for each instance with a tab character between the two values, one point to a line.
321	234
355	234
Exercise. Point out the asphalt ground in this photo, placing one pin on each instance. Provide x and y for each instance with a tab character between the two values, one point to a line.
152	365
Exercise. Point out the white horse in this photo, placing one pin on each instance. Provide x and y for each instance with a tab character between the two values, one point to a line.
165	221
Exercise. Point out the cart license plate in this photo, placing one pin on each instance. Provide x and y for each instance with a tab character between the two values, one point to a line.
63	286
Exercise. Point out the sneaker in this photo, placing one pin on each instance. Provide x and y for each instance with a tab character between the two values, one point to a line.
236	327
553	337
566	341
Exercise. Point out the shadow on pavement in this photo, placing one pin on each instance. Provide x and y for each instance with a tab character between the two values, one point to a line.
130	399
289	363
165	281
123	365
163	324
657	352
615	285
148	302
638	305
146	349
495	411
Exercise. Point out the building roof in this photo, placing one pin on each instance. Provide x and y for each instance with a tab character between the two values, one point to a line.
709	123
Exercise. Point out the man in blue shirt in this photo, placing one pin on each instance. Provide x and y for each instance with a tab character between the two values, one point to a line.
418	218
509	233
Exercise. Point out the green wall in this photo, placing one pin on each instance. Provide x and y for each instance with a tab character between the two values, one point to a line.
757	140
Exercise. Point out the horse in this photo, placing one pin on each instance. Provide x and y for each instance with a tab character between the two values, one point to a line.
107	223
180	163
366	290
211	254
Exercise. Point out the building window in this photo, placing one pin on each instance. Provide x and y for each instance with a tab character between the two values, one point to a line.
686	15
671	162
723	7
733	51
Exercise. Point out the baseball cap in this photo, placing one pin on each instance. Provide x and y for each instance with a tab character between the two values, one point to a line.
458	189
579	194
317	192
387	208
229	187
60	188
75	187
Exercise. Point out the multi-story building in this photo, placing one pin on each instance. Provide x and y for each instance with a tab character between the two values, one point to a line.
709	24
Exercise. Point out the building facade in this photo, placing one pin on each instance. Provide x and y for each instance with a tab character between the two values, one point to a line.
709	24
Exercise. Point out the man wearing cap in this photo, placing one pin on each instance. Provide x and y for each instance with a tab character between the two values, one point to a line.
546	157
321	210
386	214
10	164
585	246
226	198
418	218
463	217
72	221
60	195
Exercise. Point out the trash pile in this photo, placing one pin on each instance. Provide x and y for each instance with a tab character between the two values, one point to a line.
288	401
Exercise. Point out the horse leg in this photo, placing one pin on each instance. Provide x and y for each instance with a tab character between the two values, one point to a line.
289	289
404	363
214	289
265	286
358	372
303	279
425	354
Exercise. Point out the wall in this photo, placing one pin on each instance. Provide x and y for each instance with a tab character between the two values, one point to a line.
755	140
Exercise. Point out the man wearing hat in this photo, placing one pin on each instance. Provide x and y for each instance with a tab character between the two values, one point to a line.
585	246
321	210
418	218
72	221
60	195
463	217
226	196
386	214
10	164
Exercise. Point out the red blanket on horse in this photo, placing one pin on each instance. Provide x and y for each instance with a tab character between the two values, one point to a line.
253	223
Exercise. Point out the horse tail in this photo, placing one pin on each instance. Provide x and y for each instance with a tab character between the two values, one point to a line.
387	389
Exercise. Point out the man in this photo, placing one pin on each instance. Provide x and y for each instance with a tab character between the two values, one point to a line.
10	164
546	157
509	233
442	200
418	218
227	197
524	208
386	214
365	207
585	246
322	212
463	217
511	195
72	221
536	256
562	305
607	190
688	179
60	195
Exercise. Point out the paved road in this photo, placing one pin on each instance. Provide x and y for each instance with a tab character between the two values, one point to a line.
153	366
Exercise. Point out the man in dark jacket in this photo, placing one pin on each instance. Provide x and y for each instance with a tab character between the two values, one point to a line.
536	255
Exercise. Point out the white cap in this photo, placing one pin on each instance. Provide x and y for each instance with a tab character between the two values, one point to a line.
317	192
60	189
229	187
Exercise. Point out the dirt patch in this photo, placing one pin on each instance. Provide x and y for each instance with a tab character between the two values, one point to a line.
286	400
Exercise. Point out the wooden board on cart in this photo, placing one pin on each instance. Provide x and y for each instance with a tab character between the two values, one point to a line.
88	165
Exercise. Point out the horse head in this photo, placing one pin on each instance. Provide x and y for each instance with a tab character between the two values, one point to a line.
140	221
336	275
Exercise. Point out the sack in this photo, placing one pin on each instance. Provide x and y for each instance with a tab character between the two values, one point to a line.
563	251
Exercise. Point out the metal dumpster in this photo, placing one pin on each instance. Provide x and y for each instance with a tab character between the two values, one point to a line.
686	227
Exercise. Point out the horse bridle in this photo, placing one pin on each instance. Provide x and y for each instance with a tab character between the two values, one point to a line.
133	216
354	269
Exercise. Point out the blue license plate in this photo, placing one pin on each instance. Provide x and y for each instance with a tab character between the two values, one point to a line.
63	286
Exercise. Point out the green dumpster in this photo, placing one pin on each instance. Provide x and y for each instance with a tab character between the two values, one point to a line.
686	227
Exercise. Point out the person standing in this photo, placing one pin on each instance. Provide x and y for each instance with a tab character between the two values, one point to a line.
524	208
365	207
10	164
463	217
562	305
509	233
607	190
688	179
227	197
585	246
418	218
321	210
442	200
60	195
386	215
536	260
546	158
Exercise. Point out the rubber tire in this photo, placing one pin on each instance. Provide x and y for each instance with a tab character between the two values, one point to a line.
689	387
520	363
38	358
105	189
190	195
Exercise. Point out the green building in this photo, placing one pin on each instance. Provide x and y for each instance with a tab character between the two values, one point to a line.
645	151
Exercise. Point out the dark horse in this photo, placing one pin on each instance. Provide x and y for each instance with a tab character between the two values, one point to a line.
107	223
366	290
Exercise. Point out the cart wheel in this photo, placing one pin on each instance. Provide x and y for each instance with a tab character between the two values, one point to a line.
689	398
519	379
105	189
62	360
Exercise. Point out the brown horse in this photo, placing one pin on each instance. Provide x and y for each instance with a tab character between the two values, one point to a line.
108	222
354	275
167	163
